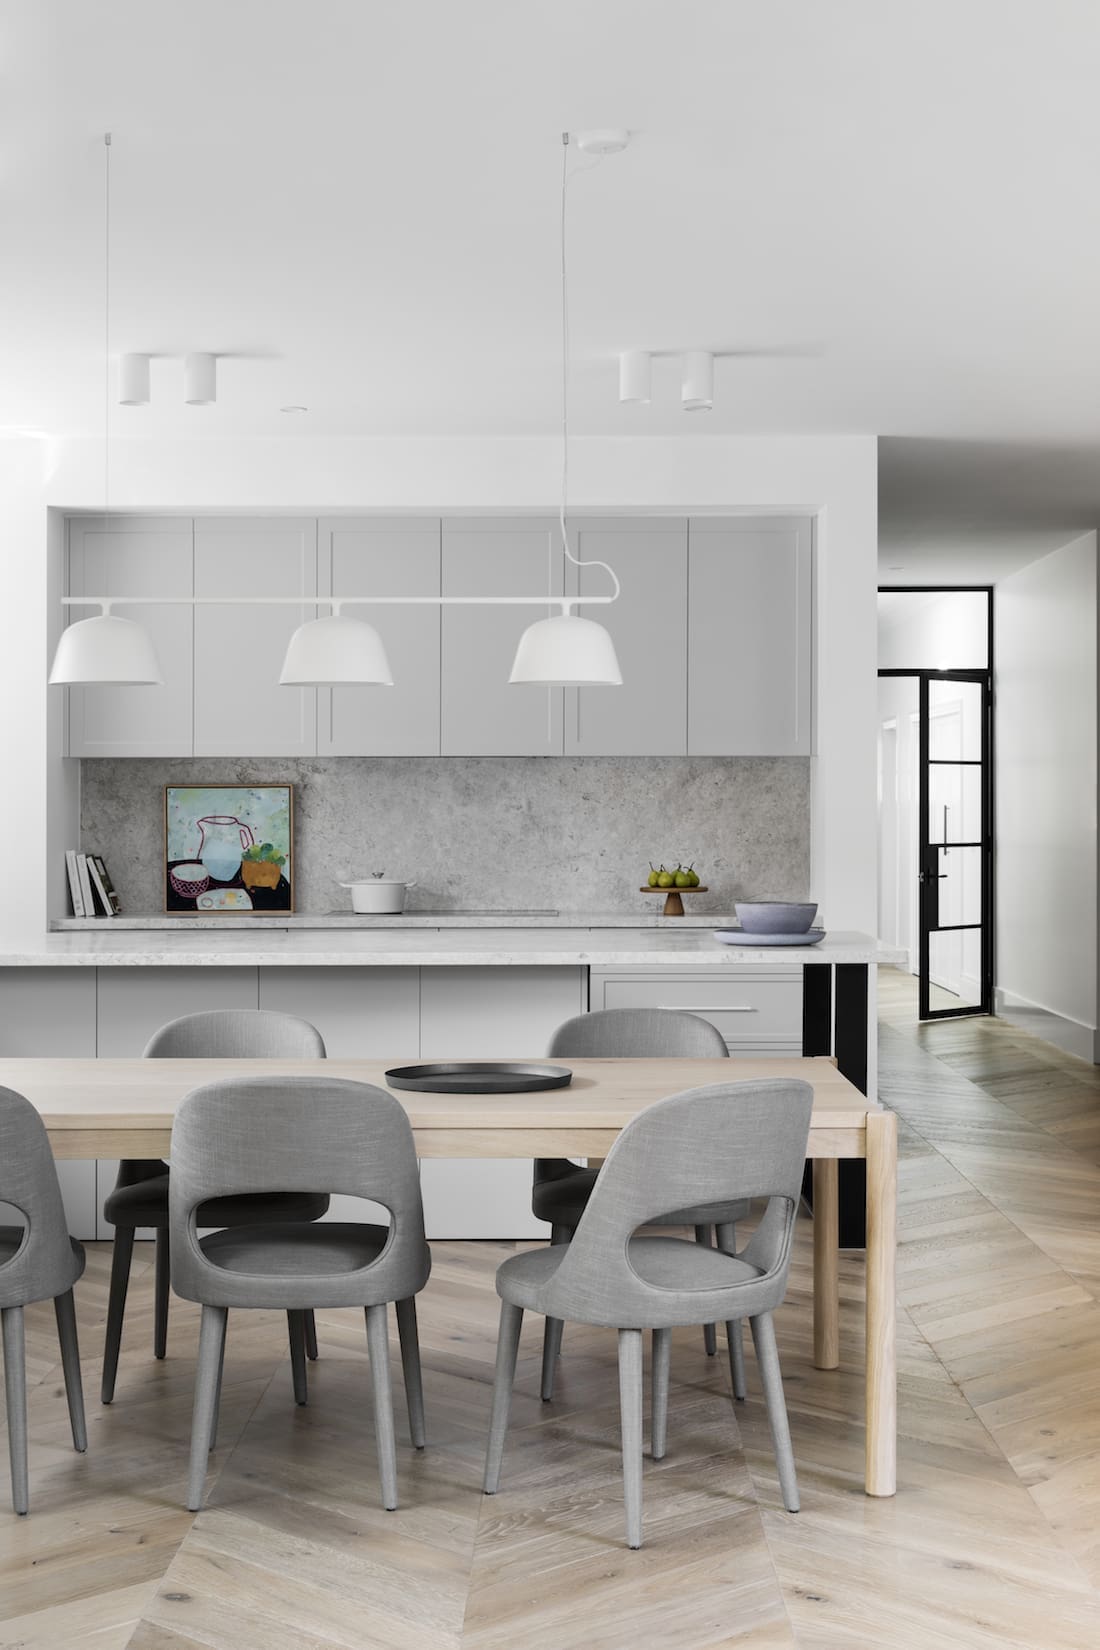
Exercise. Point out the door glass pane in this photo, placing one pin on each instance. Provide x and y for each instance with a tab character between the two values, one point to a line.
955	970
960	886
954	804
955	721
933	630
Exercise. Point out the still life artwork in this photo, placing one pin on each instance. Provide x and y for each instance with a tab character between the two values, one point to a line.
228	848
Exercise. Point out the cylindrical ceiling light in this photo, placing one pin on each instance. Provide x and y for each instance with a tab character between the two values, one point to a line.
566	651
133	380
322	652
697	385
635	375
105	650
199	379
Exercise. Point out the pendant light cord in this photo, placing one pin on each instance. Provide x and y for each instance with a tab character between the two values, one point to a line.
106	329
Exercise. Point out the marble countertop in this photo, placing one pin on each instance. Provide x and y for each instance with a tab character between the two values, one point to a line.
322	920
674	946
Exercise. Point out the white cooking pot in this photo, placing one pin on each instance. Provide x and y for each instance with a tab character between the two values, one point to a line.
380	896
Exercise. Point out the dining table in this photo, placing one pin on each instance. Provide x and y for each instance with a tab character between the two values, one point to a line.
112	1108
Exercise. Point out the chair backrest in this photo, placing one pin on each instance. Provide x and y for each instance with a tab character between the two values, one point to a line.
42	1266
236	1034
289	1134
719	1144
638	1034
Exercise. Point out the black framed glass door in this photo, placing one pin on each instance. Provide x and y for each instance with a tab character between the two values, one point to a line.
955	844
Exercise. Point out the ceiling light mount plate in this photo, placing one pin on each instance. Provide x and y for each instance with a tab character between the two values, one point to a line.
603	140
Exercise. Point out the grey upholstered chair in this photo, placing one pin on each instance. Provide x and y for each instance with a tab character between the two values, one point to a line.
705	1146
276	1134
140	1194
39	1261
562	1189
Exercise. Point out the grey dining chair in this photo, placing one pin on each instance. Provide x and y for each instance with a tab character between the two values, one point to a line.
562	1189
39	1261
710	1145
140	1194
262	1135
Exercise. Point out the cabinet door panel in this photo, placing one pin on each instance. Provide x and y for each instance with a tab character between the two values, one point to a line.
647	716
749	637
362	1013
483	714
385	558
240	709
136	556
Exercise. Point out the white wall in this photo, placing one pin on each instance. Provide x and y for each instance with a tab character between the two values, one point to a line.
833	477
1045	661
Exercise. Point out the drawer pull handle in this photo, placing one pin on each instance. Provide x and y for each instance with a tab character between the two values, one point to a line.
710	1008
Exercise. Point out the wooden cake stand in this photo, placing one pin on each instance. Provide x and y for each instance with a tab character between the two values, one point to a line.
674	905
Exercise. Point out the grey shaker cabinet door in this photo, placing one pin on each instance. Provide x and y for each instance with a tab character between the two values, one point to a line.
384	558
482	713
240	708
135	556
750	666
647	716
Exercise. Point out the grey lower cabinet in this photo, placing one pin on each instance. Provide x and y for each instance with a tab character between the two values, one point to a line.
759	1014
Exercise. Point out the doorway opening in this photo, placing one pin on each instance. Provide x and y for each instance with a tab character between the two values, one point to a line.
935	757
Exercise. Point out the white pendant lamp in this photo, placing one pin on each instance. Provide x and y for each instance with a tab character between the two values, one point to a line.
133	380
697	384
199	379
105	650
333	650
635	376
566	651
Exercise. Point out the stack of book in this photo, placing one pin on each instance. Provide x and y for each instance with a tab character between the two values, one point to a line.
90	888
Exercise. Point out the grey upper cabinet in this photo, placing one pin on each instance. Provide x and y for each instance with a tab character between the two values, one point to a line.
647	716
749	650
135	556
384	558
482	713
240	709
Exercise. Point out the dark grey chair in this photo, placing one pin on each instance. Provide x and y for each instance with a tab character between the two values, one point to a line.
39	1261
562	1189
711	1145
140	1194
268	1134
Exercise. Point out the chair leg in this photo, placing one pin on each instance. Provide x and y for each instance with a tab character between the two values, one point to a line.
511	1322
410	1368
630	1411
552	1327
662	1356
218	1390
767	1358
163	1276
211	1349
378	1345
296	1332
727	1242
116	1308
15	1392
710	1338
311	1337
65	1312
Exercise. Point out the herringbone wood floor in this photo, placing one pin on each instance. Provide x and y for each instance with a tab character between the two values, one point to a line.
993	1540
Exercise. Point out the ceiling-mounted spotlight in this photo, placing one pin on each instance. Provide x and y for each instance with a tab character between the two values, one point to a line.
697	385
635	375
133	380
199	380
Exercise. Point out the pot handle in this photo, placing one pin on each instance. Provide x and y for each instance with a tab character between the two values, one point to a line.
410	885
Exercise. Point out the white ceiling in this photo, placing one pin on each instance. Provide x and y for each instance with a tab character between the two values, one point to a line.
358	200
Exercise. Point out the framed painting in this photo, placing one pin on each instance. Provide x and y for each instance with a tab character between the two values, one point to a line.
228	848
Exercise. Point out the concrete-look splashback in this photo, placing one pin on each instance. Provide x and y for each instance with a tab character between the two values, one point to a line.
575	833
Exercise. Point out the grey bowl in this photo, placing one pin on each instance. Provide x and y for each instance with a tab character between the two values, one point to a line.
775	917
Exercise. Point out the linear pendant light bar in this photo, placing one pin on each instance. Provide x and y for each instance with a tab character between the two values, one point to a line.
544	600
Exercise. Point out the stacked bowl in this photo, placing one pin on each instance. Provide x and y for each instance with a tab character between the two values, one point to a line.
772	922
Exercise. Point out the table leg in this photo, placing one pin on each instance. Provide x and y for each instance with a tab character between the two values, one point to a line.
882	1374
826	1278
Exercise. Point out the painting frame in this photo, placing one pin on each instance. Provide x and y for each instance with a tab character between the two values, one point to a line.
210	824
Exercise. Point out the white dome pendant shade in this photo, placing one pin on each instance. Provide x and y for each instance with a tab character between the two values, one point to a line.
333	650
566	651
105	651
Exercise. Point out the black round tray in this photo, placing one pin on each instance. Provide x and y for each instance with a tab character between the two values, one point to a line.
479	1077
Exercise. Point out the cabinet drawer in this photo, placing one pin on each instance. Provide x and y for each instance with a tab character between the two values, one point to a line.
751	1009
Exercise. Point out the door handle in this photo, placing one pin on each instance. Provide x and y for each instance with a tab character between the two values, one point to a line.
708	1008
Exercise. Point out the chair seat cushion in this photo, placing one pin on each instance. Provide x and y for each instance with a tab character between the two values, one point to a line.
296	1250
562	1203
145	1203
666	1263
11	1241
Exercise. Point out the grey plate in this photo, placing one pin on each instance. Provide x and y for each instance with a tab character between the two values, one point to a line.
740	936
479	1077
